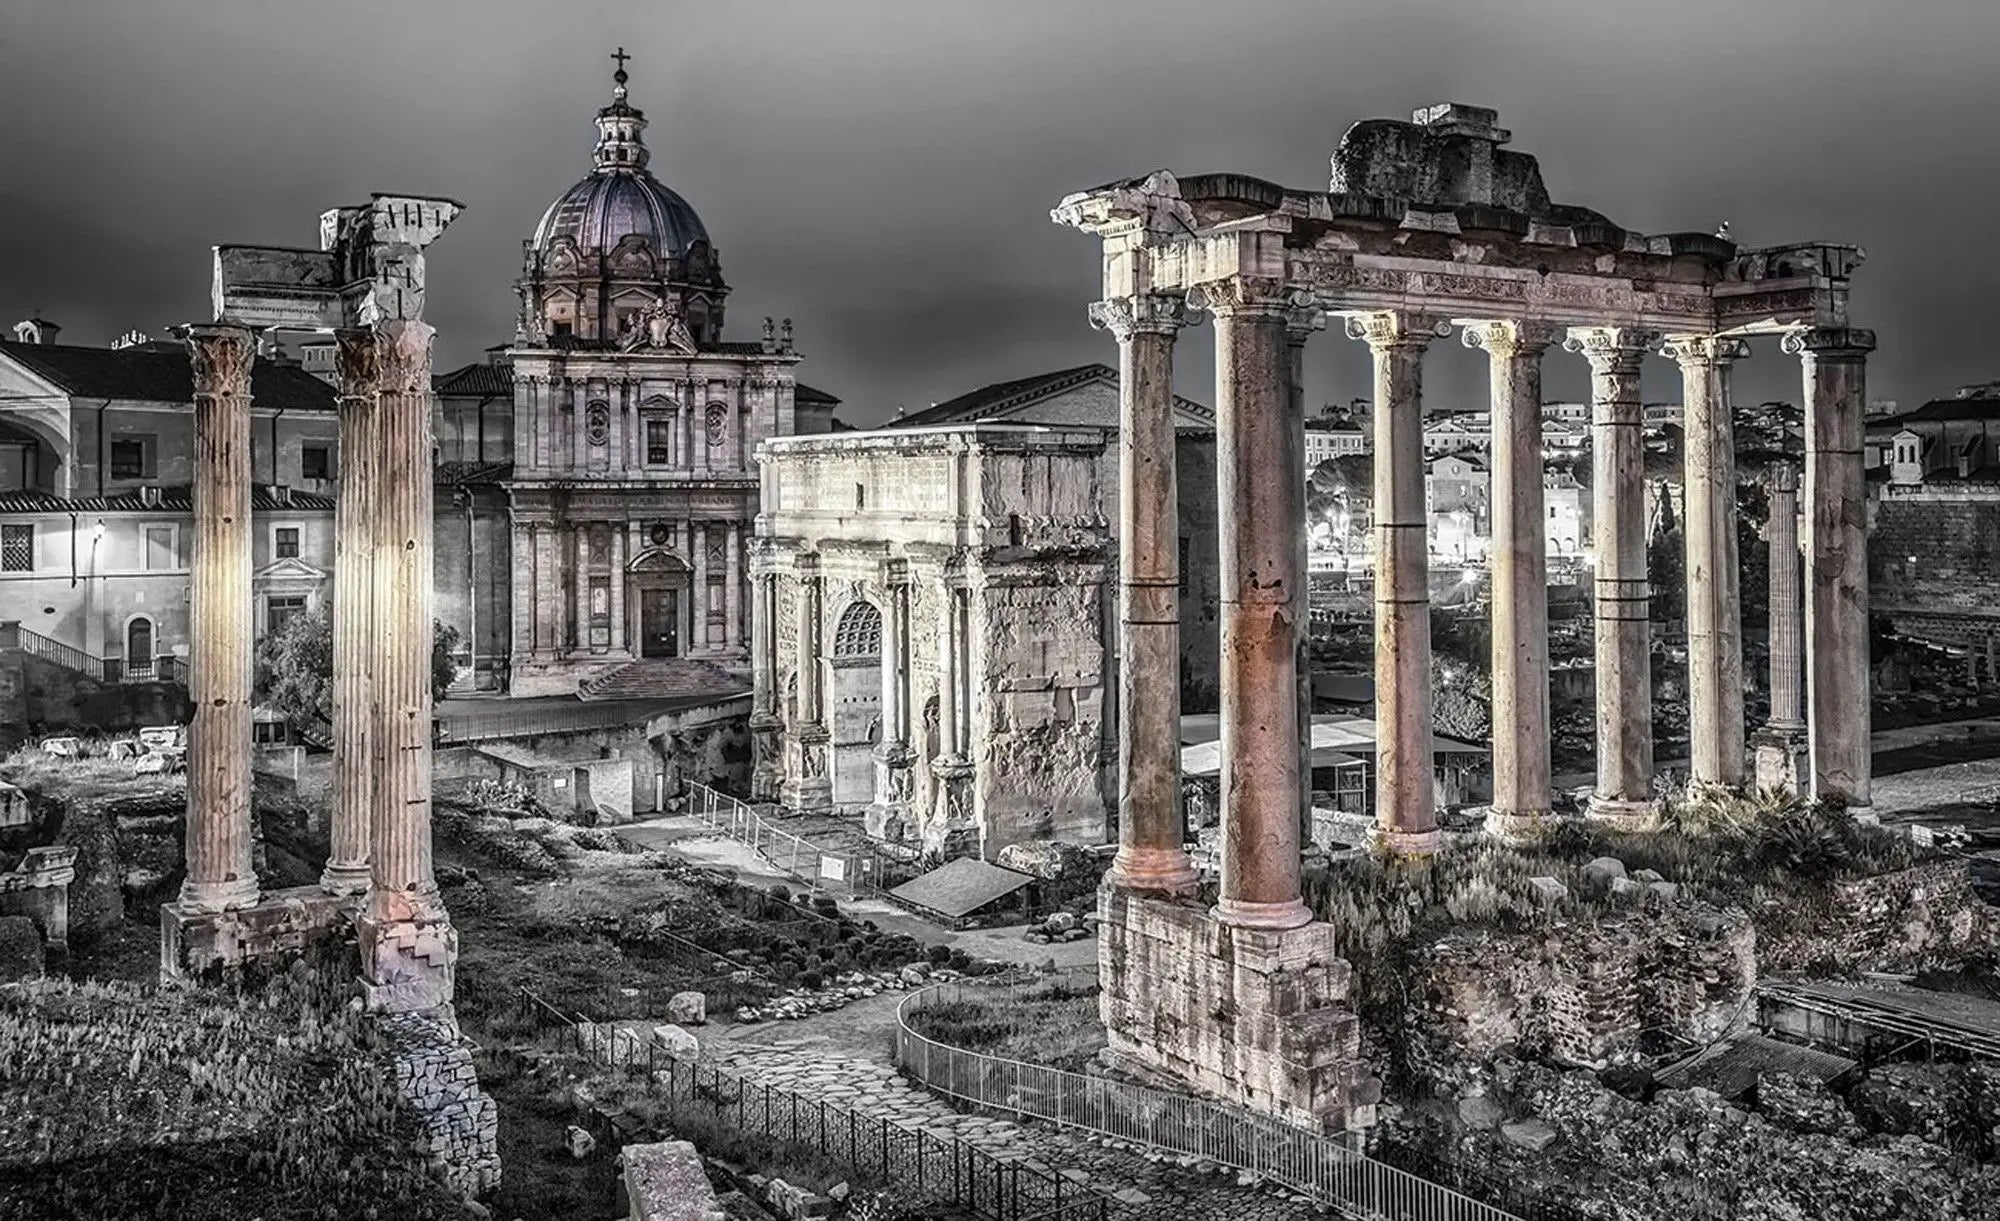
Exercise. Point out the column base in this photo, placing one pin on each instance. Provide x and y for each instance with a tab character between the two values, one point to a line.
888	816
1158	871
1249	914
344	879
304	922
1623	813
233	895
1254	1016
1518	826
407	965
1778	755
1399	842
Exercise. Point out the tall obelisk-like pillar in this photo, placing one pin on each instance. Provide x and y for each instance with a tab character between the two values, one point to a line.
1520	619
1779	747
408	946
354	764
1622	598
220	875
1151	851
1405	795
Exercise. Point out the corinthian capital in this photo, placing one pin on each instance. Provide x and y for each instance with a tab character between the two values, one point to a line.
1149	313
1510	337
1303	316
1698	350
1611	349
1397	329
1829	342
1241	295
404	356
221	356
356	362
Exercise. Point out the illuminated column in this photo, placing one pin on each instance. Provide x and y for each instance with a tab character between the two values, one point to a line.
1257	469
1405	795
353	615
220	876
1779	747
1301	320
1837	720
408	946
1714	611
1623	604
1151	855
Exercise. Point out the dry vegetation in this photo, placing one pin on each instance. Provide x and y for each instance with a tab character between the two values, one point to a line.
1053	1023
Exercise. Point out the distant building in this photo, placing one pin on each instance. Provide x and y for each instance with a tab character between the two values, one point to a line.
1327	441
1657	416
1934	518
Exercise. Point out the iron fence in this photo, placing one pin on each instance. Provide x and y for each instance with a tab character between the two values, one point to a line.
111	671
932	1164
818	867
1323	1167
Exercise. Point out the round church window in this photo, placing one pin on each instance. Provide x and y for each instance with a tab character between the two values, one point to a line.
660	534
597	423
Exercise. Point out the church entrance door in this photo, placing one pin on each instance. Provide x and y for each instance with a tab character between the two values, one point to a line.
659	623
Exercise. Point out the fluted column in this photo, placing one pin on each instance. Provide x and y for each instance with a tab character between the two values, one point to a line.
358	360
1151	855
1837	713
1622	597
1778	748
732	587
952	769
1714	610
1301	320
889	812
1263	599
582	589
407	942
618	531
809	786
220	876
1405	796
1520	609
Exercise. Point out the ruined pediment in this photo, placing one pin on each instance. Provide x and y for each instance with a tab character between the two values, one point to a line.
1446	157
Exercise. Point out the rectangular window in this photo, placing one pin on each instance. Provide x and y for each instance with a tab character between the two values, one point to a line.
315	462
659	442
286	542
280	611
128	458
159	548
17	548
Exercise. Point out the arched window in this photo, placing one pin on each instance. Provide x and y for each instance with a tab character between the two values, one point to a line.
139	646
859	633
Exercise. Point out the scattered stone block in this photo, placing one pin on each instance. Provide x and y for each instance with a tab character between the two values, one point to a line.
1666	892
1060	922
1549	890
580	1143
677	1042
1643	876
1625	888
688	1009
1600	871
1480	1112
915	975
666	1182
1534	1135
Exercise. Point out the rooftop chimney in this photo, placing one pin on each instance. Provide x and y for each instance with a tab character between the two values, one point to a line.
35	330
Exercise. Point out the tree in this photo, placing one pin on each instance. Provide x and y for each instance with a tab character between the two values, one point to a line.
295	666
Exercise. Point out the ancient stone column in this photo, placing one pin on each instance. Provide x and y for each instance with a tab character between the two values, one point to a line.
1151	855
951	817
888	814
1520	610
1263	598
732	587
1779	747
765	723
1622	597
1405	798
220	876
582	591
1301	320
357	360
408	946
809	787
1837	713
1714	610
698	596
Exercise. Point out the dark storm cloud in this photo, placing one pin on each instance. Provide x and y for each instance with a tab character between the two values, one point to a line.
882	172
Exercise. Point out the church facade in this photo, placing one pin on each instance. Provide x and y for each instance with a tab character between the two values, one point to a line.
617	436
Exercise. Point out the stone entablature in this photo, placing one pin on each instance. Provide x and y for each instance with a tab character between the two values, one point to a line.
935	607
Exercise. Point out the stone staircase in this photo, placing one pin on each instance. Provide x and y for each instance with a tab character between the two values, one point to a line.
663	678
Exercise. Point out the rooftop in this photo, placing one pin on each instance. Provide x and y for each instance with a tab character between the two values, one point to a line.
178	499
149	373
1005	398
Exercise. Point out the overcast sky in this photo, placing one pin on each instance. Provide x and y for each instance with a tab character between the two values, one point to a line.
882	170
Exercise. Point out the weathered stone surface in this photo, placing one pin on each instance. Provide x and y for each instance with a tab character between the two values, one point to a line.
1049	860
1550	890
1533	1135
304	921
20	949
580	1143
1480	1111
459	1123
688	1009
666	1182
1919	919
1803	1105
676	1042
1601	871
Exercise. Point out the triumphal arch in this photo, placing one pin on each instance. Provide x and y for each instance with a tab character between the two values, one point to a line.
1427	225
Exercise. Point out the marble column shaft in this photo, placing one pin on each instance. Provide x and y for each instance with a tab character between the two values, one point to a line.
1301	320
1714	608
1405	796
732	587
1151	853
582	588
618	530
1622	595
354	761
698	596
1263	599
1837	690
1520	609
1787	642
809	647
949	746
220	875
403	886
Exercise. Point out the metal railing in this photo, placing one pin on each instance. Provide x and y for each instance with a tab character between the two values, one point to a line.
1316	1165
486	726
109	670
819	867
934	1165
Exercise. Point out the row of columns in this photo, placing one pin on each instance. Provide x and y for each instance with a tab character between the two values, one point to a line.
558	426
569	630
1265	731
380	832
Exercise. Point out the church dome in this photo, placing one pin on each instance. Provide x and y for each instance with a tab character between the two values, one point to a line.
617	202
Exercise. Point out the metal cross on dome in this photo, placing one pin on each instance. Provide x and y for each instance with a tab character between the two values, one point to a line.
621	57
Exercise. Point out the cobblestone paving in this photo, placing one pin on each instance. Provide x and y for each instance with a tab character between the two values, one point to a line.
1148	1183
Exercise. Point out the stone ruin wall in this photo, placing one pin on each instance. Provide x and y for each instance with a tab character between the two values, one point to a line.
1951	592
1924	918
459	1122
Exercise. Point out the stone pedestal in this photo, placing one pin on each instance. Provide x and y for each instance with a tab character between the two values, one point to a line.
888	816
767	776
808	789
951	825
407	961
284	925
1254	1016
1779	756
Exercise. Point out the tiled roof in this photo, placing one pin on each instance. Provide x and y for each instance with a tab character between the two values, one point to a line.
802	393
990	401
159	376
178	499
1971	407
481	378
456	474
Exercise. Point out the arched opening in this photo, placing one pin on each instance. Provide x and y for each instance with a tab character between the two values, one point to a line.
657	605
855	709
139	648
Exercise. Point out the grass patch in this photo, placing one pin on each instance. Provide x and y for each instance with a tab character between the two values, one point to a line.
1054	1023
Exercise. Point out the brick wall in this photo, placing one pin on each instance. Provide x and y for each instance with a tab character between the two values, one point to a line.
1952	589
